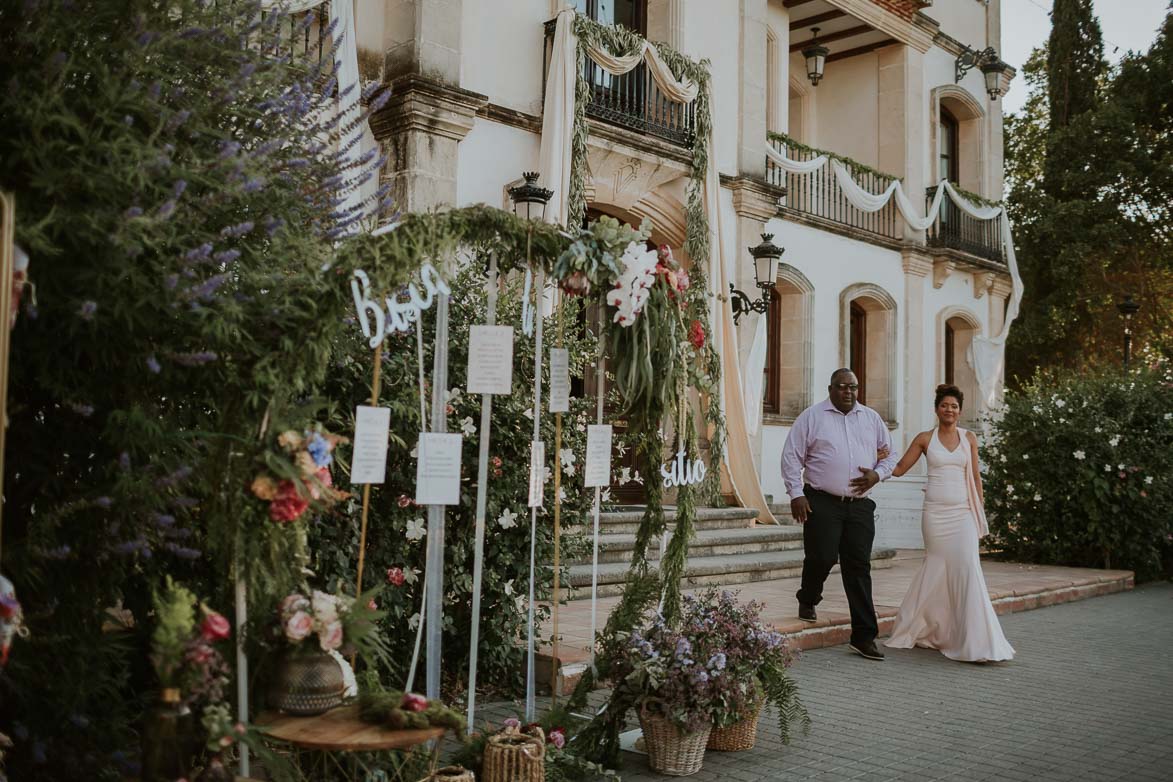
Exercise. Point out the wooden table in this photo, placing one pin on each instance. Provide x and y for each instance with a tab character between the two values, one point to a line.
341	731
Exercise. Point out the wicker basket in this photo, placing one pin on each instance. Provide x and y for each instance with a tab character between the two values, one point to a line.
451	774
513	756
670	751
739	736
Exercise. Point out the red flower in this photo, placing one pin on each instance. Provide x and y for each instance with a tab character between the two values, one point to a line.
413	702
288	504
577	284
664	253
696	335
215	627
395	576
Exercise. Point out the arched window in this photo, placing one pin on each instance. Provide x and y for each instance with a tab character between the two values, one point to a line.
949	160
958	328
787	382
868	345
632	14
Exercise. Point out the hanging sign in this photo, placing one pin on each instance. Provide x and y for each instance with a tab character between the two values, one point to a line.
682	471
559	380
490	360
437	472
597	471
369	461
537	473
399	315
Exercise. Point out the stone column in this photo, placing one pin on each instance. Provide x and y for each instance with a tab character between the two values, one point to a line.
918	353
751	133
755	202
428	113
903	127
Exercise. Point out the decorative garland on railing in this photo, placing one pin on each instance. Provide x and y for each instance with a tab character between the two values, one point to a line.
853	165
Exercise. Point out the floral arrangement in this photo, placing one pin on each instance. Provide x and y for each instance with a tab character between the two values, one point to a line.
183	651
594	260
754	656
339	623
402	710
563	761
680	673
303	476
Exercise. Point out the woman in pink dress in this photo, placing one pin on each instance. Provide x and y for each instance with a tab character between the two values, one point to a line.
947	606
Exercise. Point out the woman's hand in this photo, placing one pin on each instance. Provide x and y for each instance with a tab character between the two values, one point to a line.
882	454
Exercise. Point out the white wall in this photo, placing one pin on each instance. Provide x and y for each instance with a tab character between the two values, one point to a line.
491	156
502	45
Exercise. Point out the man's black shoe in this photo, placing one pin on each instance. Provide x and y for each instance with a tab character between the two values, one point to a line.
867	649
807	613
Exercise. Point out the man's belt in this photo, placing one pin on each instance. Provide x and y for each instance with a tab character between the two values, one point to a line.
808	489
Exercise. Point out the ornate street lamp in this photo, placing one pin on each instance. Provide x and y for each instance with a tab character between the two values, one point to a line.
529	200
816	58
987	60
1127	308
765	270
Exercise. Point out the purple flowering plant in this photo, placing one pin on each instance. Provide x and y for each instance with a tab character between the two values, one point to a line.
676	672
752	657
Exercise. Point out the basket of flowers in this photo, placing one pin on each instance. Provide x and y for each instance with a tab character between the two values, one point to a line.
754	660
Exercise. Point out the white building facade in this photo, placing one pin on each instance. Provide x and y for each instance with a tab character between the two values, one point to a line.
860	290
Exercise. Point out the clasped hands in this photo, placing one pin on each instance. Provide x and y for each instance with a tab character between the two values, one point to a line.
800	507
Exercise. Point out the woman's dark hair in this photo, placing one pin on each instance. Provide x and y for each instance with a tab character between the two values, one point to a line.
948	389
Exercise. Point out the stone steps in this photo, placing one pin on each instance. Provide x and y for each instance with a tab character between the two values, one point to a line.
707	543
714	570
625	520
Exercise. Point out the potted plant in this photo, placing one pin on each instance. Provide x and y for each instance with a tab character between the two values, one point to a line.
674	675
309	678
754	659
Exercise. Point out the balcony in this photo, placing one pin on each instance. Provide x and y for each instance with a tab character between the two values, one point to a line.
632	101
818	195
956	230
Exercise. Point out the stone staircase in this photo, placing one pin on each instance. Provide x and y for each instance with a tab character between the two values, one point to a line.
729	548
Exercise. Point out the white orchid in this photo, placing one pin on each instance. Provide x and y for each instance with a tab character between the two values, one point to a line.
561	494
1114	441
508	587
1080	455
507	519
634	285
606	495
468	427
452	394
624	475
1148	479
414	622
416	529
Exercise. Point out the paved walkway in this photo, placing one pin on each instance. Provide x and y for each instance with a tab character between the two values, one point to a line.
1087	698
1013	587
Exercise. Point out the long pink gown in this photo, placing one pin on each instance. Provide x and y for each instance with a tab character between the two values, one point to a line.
947	606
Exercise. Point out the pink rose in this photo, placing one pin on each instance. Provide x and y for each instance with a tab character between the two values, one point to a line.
331	636
293	603
299	626
371	604
215	627
404	500
557	737
396	576
413	702
512	722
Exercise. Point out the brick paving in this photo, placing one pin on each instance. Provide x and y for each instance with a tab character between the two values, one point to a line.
1087	698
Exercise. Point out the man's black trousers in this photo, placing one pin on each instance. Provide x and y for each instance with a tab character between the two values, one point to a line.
841	531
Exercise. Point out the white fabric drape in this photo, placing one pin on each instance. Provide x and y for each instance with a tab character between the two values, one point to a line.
986	354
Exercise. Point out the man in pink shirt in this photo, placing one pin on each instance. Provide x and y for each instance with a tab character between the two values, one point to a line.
829	464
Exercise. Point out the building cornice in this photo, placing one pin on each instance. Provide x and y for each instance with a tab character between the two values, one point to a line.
903	30
423	105
754	198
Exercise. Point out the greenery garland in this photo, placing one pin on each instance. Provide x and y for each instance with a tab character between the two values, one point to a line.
853	165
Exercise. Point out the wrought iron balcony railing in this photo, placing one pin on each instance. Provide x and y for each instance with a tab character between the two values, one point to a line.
959	231
632	101
818	193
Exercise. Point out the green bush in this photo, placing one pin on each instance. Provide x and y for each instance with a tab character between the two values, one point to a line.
1079	471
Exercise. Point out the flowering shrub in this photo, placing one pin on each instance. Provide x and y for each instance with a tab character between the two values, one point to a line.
755	656
1079	471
